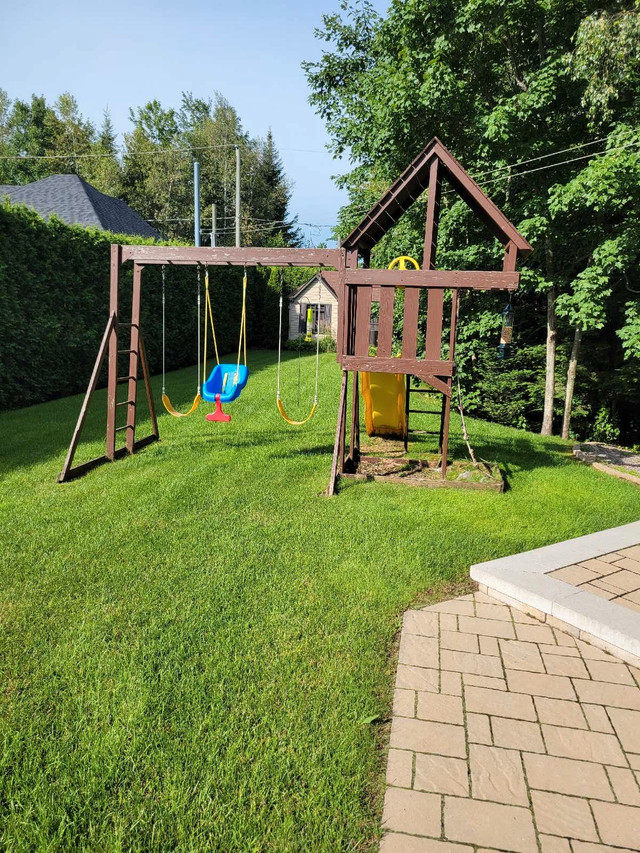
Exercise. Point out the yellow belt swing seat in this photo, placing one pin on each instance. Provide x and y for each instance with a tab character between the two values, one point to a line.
166	402
279	404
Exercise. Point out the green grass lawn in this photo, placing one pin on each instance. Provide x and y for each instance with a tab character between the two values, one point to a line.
194	643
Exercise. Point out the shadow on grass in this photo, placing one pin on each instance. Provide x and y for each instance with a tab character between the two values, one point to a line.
42	432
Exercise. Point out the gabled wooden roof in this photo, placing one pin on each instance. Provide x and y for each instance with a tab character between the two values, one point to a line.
317	277
412	183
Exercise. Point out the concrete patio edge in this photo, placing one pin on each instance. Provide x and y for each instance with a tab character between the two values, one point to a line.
522	579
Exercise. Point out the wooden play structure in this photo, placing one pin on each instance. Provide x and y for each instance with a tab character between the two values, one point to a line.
357	286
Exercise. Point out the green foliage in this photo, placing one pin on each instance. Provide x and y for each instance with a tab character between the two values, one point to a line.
299	344
630	333
158	166
604	427
539	102
607	60
194	642
54	286
154	172
509	391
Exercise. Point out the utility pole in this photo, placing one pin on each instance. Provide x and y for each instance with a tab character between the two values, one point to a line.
237	196
213	225
196	202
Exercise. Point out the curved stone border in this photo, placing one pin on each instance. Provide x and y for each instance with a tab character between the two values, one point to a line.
580	454
521	581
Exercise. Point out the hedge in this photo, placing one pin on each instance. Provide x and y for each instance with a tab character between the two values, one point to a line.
54	300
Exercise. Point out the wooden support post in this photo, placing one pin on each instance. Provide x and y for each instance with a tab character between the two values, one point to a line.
93	381
354	442
435	297
442	411
134	357
354	450
446	415
433	215
147	384
351	262
339	440
112	381
407	406
342	438
510	257
445	433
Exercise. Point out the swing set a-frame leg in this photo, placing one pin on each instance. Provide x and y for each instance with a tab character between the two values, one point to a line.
70	472
337	465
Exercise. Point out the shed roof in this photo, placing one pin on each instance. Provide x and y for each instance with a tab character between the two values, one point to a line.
412	183
318	276
78	203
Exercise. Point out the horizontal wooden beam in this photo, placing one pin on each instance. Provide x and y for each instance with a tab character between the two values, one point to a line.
227	256
444	279
415	366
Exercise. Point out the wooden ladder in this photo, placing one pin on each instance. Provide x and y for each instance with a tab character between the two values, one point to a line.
409	411
137	360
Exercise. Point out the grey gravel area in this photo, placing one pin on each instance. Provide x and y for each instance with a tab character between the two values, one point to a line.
607	454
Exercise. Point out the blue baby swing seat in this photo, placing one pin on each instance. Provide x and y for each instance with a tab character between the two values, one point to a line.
228	380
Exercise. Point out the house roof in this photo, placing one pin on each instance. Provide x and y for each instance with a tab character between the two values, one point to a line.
412	183
318	276
78	203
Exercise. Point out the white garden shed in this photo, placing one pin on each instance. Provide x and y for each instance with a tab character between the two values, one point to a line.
321	297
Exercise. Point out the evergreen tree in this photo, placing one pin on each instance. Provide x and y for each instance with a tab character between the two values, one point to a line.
273	194
104	170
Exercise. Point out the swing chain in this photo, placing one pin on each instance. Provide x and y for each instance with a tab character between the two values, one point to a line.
198	389
164	342
279	336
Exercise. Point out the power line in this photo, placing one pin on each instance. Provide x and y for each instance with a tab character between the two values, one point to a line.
157	152
363	211
541	157
275	224
562	163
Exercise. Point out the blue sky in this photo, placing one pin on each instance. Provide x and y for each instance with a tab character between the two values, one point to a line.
121	54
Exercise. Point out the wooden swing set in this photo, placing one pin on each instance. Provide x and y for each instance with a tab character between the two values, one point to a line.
357	287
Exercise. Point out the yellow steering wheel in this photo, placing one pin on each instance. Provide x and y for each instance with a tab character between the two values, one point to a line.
401	263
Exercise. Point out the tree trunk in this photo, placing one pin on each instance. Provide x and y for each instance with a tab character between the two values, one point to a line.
571	381
550	379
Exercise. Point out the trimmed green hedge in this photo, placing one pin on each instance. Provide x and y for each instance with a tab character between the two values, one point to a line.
54	301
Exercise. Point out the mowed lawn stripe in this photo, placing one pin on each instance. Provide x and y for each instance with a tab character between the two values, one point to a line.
198	650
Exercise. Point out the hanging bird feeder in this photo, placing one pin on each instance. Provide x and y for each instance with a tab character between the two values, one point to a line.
506	335
309	326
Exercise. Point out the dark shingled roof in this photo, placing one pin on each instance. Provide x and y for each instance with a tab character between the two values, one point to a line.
78	203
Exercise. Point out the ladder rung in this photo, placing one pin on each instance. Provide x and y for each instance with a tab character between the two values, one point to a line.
126	378
422	391
122	351
423	412
119	429
126	403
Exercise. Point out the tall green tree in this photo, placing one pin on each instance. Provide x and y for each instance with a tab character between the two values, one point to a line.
31	128
154	171
500	84
104	170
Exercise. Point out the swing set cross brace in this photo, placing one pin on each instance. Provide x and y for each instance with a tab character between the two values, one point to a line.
227	256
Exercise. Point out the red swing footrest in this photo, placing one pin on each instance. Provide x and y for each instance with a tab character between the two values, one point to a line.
218	414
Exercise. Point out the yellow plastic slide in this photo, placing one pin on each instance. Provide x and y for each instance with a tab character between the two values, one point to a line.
384	401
